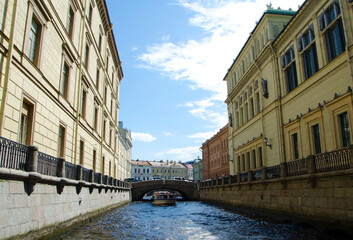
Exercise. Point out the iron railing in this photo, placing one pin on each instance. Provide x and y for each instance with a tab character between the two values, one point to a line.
12	154
47	165
104	179
273	171
86	175
244	177
333	161
256	175
297	167
96	177
70	171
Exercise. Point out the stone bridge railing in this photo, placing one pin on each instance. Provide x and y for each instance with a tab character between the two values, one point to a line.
331	161
26	163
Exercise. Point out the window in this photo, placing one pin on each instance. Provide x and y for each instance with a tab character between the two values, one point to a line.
100	42
243	162
61	141
105	95
107	62
70	22
86	56
110	136
33	41
344	129
83	103
260	157
110	168
252	110
25	133
307	47
237	119
258	106
248	161
94	159
97	79
241	116
81	157
290	70
89	15
246	112
95	121
104	128
316	138
103	165
295	146
254	158
65	80
331	26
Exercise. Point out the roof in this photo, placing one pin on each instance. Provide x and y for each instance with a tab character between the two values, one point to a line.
140	163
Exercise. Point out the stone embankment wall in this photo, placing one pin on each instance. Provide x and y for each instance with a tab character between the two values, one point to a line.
324	197
50	208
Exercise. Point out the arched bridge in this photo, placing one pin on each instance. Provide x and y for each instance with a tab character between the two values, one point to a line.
188	190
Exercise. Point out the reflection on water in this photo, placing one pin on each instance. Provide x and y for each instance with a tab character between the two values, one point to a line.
190	220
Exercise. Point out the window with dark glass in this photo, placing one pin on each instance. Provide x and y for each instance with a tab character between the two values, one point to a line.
344	129
26	123
83	103
94	159
316	138
81	157
61	141
330	23
64	80
260	157
70	21
33	41
252	110
290	70
86	56
258	106
307	47
248	161
254	158
295	146
243	162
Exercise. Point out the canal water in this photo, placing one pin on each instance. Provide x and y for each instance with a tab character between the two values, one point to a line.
192	221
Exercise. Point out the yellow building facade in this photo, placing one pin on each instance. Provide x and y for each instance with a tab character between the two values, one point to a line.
60	80
290	88
168	170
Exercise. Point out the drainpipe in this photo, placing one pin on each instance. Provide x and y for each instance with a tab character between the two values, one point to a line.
8	63
279	112
79	82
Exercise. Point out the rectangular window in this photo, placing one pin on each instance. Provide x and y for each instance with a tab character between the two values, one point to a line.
70	22
104	128
86	56
290	70
237	119
105	95
110	168
241	116
33	41
81	157
246	112
83	103
100	42
258	106
306	45
331	25
65	80
295	146
252	110
95	121
316	138
243	162
103	165
248	161
97	79
254	159
344	129
25	133
260	157
89	16
110	136
94	159
61	141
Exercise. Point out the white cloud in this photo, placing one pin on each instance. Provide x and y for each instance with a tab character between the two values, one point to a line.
180	154
134	48
142	137
203	63
203	135
169	133
165	38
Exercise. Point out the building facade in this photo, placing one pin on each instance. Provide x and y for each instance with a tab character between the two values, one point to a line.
141	170
290	87
197	170
215	155
60	81
169	170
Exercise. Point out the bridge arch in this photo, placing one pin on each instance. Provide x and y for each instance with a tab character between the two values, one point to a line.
188	190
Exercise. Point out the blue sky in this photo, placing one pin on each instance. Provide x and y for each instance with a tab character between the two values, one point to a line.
174	55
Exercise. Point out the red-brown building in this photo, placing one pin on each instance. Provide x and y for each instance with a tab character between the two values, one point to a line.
215	161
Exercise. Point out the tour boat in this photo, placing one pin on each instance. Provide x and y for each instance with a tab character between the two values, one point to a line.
163	198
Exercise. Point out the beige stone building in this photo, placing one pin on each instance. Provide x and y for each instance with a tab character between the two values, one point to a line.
290	87
168	170
60	80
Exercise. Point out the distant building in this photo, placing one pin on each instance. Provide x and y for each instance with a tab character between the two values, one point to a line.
197	170
141	170
189	166
215	155
169	169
